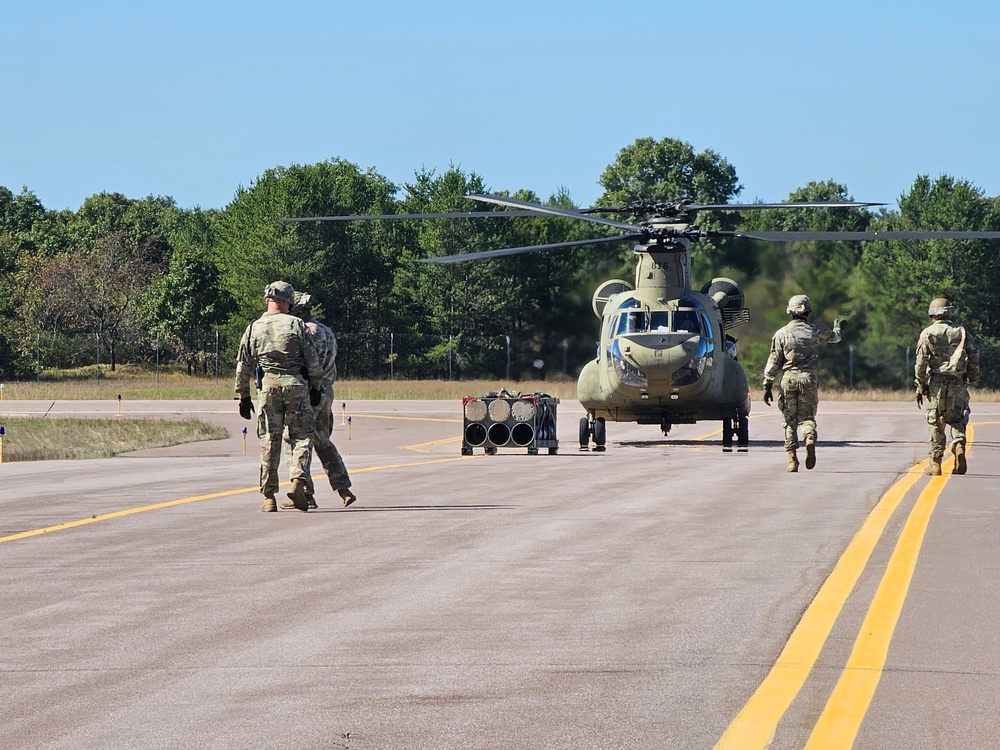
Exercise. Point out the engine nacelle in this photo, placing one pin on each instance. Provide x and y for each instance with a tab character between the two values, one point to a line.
729	297
606	291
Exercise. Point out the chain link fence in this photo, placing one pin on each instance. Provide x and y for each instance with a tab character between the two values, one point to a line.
361	355
387	356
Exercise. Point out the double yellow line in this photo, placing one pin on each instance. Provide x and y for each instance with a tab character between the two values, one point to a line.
754	727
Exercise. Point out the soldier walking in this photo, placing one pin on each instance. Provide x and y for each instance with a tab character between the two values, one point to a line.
279	344
947	361
795	353
329	456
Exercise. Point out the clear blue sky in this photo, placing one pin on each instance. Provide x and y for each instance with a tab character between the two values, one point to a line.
193	99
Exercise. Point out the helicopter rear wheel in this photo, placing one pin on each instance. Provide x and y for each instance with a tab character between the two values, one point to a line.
665	425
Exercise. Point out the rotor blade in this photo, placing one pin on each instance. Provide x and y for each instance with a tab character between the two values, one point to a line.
528	249
683	207
451	215
793	204
886	235
552	211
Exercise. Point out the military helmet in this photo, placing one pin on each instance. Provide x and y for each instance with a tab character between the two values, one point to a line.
799	305
303	303
281	291
940	308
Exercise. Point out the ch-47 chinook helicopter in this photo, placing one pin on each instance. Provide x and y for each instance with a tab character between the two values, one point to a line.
665	355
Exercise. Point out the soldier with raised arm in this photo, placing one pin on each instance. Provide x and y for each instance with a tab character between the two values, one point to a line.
795	354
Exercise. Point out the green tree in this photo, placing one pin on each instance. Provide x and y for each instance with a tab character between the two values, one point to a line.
347	266
96	290
828	272
187	302
901	277
18	215
668	170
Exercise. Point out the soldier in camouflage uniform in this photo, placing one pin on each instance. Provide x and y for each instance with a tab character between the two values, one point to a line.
947	361
329	456
282	347
795	351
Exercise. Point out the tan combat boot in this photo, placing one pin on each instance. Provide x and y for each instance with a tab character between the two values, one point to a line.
793	462
934	467
961	464
270	505
297	497
810	452
348	496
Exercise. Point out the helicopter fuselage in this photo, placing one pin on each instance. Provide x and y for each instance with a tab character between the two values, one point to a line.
664	356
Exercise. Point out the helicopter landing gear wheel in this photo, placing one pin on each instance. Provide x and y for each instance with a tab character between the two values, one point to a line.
584	434
596	429
727	434
742	432
600	431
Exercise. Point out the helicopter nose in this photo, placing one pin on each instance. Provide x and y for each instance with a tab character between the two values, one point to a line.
660	357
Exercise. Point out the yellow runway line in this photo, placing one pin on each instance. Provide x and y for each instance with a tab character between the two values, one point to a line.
198	498
755	725
841	719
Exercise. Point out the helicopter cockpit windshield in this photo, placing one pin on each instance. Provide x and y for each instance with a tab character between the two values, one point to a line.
632	320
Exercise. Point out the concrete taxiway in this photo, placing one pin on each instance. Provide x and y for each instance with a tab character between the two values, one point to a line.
662	594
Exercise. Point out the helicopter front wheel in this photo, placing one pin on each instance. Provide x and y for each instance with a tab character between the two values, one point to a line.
742	432
727	434
596	429
600	431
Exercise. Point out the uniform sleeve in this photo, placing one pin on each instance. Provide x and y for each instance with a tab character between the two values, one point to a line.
313	366
921	370
775	360
828	335
245	364
972	364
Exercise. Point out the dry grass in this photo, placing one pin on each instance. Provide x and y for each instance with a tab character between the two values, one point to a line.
43	438
133	383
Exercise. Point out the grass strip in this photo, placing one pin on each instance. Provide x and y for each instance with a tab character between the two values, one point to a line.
44	438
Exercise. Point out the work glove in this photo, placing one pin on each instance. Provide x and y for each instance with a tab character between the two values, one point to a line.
838	324
768	394
246	407
315	396
920	398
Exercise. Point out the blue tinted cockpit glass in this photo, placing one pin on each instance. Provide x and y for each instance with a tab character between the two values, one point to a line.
659	320
687	321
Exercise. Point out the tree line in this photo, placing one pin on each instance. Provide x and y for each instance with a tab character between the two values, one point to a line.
119	273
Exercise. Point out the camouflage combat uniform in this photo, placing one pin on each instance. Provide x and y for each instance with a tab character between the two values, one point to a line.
282	345
329	456
947	360
795	350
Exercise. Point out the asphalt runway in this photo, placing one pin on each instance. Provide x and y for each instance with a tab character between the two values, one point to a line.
662	594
